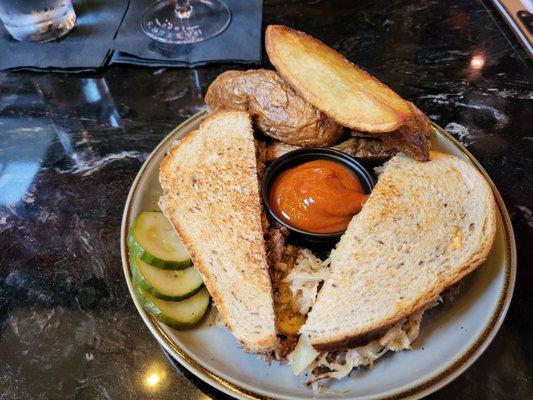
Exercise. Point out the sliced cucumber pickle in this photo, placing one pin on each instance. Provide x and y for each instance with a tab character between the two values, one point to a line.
154	241
177	314
165	284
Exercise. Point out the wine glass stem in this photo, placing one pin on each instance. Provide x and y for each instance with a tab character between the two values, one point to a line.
183	9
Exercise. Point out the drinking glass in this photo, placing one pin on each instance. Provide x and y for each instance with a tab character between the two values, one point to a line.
37	20
185	21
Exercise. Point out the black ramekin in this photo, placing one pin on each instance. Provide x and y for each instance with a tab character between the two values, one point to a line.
300	156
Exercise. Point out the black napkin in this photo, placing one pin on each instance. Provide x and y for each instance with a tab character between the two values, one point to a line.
109	32
240	42
87	47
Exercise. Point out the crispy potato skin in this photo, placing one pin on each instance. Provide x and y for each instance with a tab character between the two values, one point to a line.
276	109
365	148
412	138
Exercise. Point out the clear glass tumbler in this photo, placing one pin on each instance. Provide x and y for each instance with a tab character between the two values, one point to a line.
37	20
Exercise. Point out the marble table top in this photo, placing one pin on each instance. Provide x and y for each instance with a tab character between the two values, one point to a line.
70	146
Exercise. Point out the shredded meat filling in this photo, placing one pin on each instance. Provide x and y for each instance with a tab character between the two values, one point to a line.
281	259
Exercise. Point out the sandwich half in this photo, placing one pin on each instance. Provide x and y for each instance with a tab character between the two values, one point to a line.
211	197
424	227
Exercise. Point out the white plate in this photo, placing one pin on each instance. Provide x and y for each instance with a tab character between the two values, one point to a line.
452	336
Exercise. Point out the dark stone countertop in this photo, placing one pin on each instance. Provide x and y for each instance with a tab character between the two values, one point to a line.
70	146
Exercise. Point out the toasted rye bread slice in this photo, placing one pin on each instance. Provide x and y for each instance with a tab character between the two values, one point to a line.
211	197
424	227
342	91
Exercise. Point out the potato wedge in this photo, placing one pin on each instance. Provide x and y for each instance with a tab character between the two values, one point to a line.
367	148
342	91
412	138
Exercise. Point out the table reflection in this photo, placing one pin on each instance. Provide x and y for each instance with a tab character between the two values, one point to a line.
69	108
155	377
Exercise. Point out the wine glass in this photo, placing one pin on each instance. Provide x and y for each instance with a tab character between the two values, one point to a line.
185	21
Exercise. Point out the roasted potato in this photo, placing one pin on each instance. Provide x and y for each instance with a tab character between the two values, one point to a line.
341	90
276	109
366	148
412	138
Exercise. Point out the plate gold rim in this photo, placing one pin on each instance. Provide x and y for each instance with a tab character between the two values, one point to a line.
430	385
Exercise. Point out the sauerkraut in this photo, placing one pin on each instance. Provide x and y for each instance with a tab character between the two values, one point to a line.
337	365
305	278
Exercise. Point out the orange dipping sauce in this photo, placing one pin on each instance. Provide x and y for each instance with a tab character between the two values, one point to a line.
319	196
